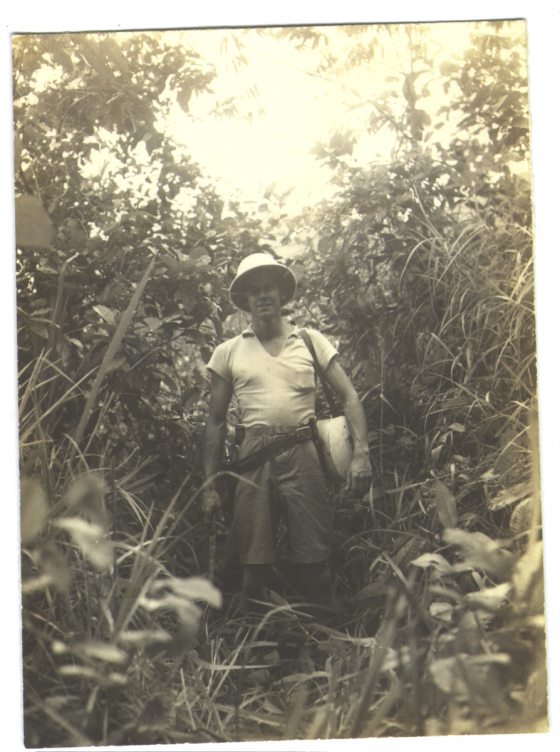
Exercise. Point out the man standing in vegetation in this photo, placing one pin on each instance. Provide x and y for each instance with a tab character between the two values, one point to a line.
269	370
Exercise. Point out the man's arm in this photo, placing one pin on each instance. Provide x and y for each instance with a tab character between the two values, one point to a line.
360	472
214	435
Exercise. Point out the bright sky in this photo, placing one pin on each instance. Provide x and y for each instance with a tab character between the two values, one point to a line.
285	107
296	109
290	114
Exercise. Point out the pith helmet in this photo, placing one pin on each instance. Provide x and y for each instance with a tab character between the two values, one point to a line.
336	443
250	264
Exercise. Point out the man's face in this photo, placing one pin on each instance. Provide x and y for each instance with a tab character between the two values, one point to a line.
263	295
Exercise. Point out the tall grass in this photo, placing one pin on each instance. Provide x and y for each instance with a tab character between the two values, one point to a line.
444	356
98	597
439	568
117	653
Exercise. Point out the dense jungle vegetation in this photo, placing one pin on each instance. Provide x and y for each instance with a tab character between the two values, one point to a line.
419	269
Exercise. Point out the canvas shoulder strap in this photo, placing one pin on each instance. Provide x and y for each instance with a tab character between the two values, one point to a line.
320	373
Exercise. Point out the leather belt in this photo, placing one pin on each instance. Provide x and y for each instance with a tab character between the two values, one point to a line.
262	429
280	442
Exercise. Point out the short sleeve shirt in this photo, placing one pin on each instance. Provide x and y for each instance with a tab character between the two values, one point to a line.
274	390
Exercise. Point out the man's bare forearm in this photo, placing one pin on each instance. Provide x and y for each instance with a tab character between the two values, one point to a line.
356	417
353	408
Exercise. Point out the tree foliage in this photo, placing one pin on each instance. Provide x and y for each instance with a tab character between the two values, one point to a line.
422	268
419	269
121	197
427	259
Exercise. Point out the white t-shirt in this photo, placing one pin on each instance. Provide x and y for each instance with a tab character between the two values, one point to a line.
274	390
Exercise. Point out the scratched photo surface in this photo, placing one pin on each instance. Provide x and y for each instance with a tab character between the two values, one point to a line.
384	170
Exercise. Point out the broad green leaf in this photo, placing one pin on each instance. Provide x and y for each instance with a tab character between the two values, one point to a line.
106	314
271	707
184	96
115	677
111	352
528	571
91	538
187	612
490	599
197	253
34	228
57	567
32	584
41	330
459	674
152	322
446	505
480	552
342	143
442	610
522	517
144	636
509	496
103	651
34	509
421	117
438	562
86	497
86	672
195	588
372	590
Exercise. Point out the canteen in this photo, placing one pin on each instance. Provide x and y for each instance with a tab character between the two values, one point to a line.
336	444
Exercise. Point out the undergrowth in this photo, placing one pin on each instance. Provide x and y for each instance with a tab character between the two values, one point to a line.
440	631
438	568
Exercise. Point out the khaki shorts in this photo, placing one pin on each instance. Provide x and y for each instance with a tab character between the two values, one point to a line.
291	486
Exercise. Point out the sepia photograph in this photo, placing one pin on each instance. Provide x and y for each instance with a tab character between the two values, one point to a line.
278	420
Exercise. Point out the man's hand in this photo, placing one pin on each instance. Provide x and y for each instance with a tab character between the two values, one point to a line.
360	474
211	503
